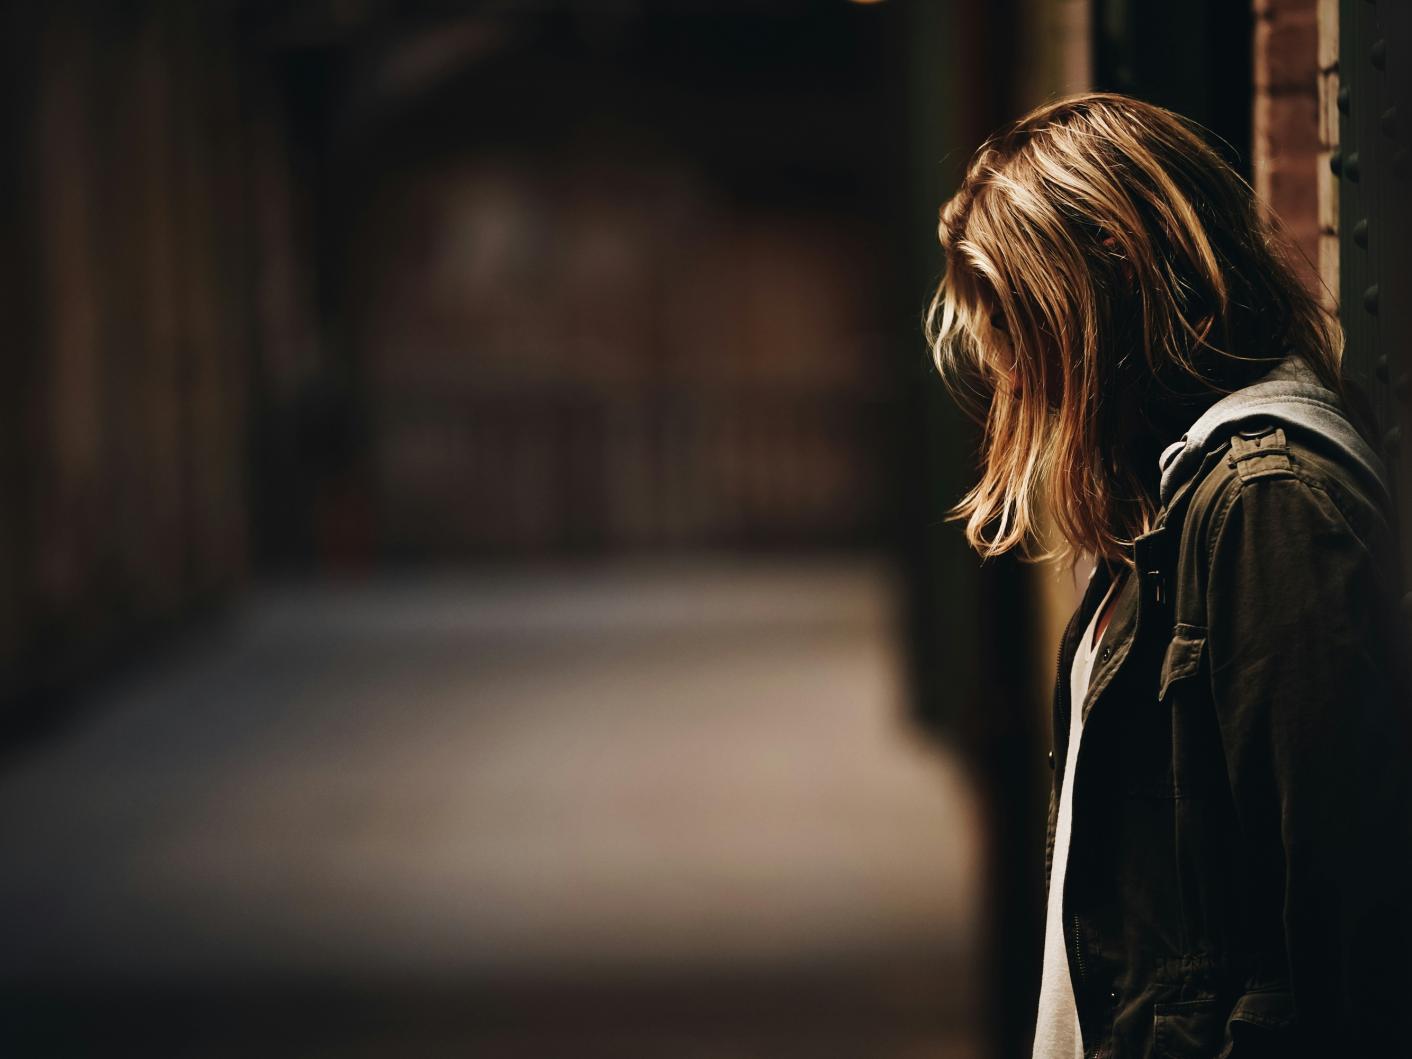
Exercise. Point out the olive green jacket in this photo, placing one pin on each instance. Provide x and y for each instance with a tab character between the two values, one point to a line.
1240	862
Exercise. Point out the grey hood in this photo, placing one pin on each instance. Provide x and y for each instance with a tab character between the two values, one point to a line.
1292	396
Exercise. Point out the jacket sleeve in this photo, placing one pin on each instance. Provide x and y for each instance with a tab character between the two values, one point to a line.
1303	642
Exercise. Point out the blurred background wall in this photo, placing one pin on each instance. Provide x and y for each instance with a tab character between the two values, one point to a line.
130	335
472	562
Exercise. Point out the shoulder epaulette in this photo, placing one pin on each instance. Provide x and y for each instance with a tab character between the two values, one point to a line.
1258	449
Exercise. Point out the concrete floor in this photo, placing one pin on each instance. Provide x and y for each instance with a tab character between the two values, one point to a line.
664	809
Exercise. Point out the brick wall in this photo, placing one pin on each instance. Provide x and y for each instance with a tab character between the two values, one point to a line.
1296	127
1290	145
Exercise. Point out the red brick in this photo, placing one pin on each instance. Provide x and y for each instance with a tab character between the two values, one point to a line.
1293	192
1286	125
1278	8
1287	54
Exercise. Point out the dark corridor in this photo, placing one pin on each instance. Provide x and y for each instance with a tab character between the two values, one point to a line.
465	567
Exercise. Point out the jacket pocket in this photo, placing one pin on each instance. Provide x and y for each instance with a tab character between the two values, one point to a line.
1187	1029
1183	656
1261	1026
1151	739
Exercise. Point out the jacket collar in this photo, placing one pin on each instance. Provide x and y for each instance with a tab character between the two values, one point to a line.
1291	394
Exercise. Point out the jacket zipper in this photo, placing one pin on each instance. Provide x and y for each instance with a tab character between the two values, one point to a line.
1061	686
1078	949
1061	694
1059	667
1079	991
1061	691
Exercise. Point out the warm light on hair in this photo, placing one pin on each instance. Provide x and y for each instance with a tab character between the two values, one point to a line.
1106	271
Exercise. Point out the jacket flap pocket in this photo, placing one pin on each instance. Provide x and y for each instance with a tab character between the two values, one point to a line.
1272	1007
1183	657
1187	1029
1260	1023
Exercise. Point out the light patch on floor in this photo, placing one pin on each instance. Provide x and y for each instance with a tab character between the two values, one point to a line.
672	767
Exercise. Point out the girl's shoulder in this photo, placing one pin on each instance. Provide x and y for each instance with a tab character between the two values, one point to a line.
1276	510
1305	474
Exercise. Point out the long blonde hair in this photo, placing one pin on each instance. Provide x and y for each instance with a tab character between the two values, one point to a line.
1108	276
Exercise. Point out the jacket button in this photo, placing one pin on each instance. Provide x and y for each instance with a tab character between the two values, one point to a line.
1051	759
1106	653
1113	998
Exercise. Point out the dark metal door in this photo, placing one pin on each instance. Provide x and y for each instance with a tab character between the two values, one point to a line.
1373	167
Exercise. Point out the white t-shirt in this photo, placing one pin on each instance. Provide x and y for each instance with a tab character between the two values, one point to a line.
1057	1033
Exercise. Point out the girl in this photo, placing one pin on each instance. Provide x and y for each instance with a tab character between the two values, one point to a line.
1229	844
